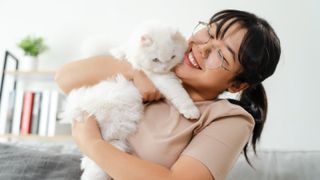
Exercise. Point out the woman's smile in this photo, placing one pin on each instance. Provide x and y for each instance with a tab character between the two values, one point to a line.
190	60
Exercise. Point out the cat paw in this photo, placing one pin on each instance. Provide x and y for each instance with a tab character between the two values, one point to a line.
191	112
68	116
118	53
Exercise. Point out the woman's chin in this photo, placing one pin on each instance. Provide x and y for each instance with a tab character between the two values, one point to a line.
184	72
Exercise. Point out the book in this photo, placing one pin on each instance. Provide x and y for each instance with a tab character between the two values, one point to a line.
27	112
44	113
36	113
52	119
56	107
17	112
10	110
4	111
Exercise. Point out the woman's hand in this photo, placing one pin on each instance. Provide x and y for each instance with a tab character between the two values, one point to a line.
86	133
146	88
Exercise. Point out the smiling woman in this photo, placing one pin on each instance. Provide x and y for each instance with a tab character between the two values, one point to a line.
245	46
234	52
201	35
212	61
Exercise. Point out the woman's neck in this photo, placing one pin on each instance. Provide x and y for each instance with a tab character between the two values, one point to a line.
200	96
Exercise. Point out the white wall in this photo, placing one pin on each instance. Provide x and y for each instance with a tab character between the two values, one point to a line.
293	91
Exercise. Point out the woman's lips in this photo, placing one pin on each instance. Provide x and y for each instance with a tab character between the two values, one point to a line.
191	61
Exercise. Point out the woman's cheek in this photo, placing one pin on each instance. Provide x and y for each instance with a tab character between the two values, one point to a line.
179	70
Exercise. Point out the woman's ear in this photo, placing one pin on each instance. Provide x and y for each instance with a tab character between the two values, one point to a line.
237	87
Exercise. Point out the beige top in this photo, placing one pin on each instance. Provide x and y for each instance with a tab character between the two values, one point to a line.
216	139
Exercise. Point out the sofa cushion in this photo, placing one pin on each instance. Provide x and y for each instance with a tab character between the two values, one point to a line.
277	165
29	164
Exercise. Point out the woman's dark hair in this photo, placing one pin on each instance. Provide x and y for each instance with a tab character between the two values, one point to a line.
259	55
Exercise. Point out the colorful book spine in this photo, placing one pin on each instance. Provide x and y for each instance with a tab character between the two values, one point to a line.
44	113
36	113
52	120
10	110
4	111
17	112
27	113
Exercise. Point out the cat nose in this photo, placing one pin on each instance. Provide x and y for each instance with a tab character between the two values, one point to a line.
165	60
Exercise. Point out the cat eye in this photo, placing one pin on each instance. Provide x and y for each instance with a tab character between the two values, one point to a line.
155	60
172	57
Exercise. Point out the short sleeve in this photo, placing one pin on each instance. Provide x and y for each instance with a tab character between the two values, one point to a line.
219	144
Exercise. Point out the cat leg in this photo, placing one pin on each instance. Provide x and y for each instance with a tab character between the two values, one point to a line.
170	86
92	171
118	52
120	144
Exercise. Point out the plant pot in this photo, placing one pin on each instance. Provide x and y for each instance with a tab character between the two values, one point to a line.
29	63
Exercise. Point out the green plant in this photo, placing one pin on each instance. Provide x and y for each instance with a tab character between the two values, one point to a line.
33	46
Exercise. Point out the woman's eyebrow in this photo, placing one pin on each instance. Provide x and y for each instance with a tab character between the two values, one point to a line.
232	52
210	33
228	47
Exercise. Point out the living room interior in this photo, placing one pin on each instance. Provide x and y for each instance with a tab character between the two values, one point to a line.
72	30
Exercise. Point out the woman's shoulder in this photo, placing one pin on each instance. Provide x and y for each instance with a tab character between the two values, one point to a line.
211	110
221	109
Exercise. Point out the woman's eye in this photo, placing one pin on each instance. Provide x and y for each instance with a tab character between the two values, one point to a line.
222	56
172	57
155	60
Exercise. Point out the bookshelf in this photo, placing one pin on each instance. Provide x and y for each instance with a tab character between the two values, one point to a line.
28	113
41	75
36	137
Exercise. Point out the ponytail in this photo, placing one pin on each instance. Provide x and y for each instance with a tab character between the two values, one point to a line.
258	55
254	100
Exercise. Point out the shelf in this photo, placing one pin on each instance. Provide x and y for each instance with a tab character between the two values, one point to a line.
28	81
36	137
47	75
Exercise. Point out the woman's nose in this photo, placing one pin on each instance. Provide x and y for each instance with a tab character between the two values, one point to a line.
205	50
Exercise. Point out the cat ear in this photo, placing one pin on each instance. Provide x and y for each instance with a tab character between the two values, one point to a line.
177	36
146	40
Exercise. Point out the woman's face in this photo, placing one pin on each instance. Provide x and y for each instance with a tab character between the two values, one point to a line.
208	68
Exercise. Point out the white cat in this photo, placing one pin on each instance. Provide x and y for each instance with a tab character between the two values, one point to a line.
117	104
156	48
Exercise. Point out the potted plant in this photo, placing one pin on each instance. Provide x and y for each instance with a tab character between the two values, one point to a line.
32	47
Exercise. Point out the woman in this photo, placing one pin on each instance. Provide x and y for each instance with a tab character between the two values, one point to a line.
234	52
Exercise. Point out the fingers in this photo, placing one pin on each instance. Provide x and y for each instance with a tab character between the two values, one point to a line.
157	96
86	118
146	88
152	96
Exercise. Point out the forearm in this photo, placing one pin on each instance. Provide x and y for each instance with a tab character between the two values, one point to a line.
90	71
123	166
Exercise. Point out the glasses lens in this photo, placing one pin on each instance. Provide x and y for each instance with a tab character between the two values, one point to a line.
200	34
214	60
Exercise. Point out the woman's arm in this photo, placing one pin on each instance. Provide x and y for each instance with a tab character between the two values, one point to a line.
90	71
123	166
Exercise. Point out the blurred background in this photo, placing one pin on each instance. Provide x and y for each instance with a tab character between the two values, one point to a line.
69	27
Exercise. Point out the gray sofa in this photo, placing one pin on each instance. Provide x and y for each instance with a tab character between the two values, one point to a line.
278	165
60	161
28	163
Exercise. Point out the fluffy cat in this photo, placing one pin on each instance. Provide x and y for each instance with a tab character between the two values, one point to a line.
117	104
155	49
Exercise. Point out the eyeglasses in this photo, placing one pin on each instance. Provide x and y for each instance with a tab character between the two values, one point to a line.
214	58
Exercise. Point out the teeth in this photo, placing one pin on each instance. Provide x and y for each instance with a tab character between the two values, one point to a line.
193	61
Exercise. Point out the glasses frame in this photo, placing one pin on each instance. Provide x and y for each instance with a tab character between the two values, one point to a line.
211	36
